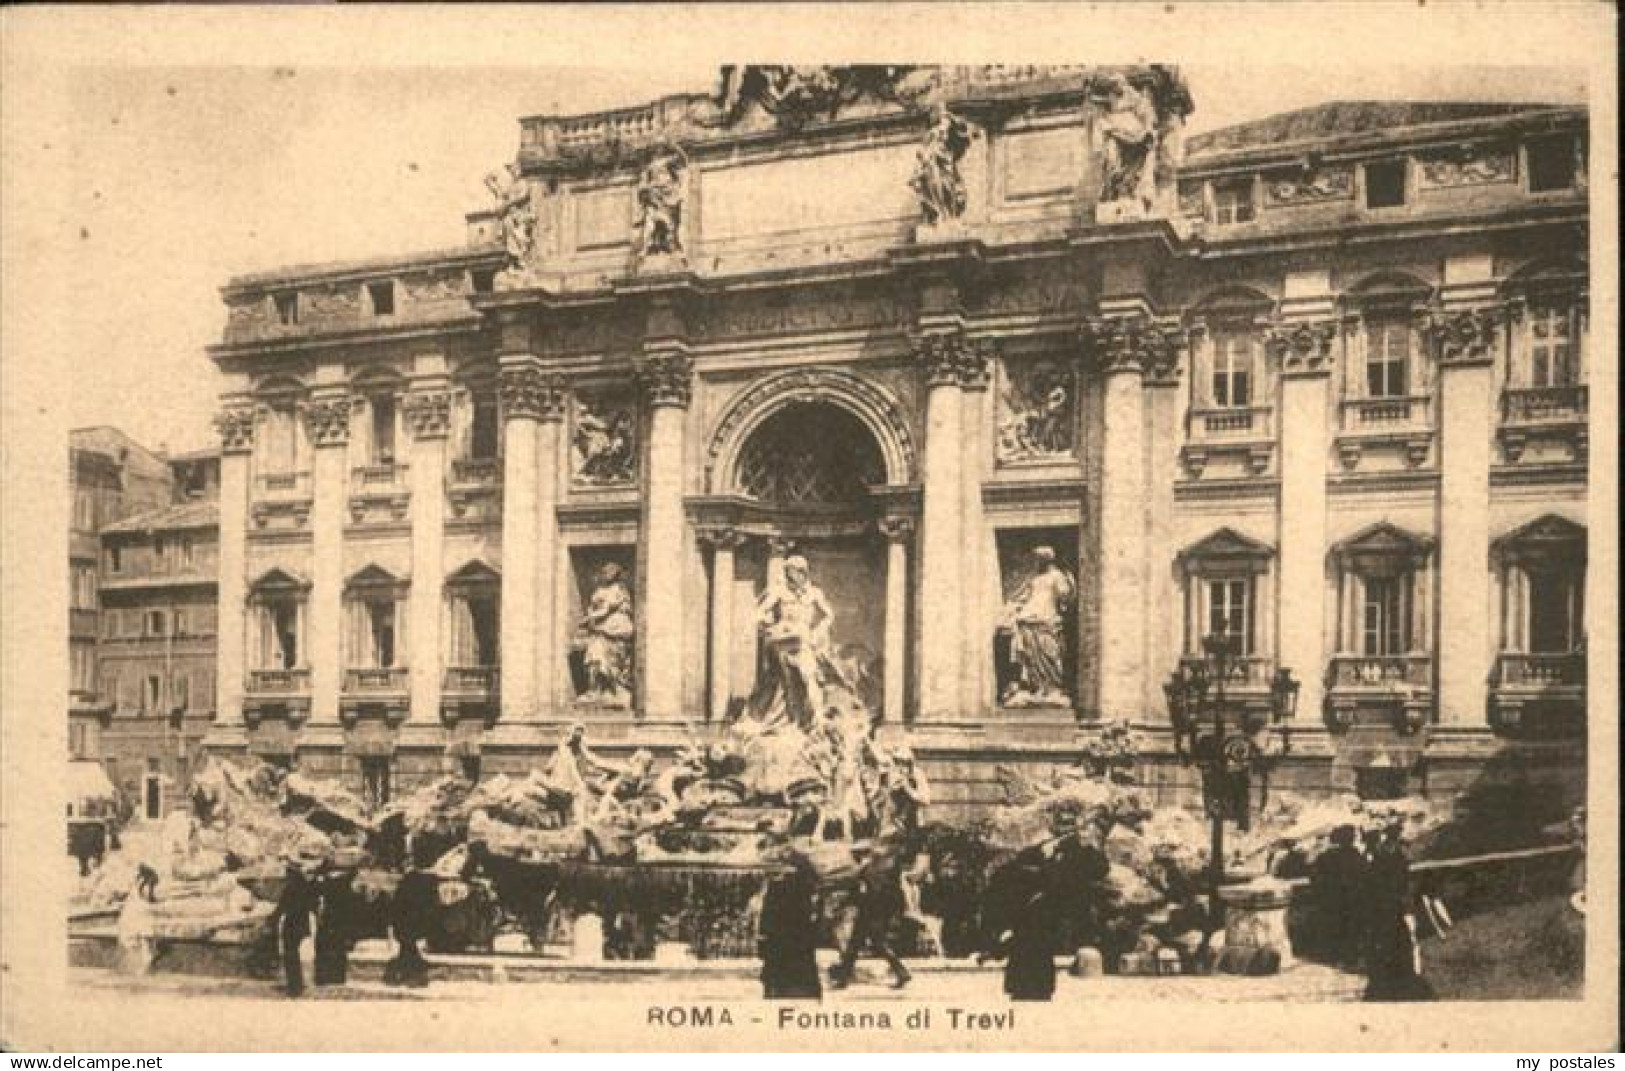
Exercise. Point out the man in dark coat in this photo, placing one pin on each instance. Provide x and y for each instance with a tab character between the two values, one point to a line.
1338	884
1022	924
290	920
787	934
879	899
412	916
1392	971
335	927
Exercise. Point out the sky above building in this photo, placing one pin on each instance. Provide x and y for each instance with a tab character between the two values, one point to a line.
184	177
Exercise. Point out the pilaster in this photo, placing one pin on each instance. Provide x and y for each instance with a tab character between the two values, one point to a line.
236	426
942	536
327	422
665	375
427	408
898	531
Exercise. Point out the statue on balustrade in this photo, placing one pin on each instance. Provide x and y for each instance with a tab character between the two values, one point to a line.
1035	620
661	194
937	181
1129	126
608	627
516	214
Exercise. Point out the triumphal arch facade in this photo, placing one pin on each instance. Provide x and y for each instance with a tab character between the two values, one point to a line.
866	384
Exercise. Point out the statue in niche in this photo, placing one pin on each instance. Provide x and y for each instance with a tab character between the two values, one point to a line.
1038	417
608	628
604	441
1035	619
516	214
937	181
795	620
1129	126
661	192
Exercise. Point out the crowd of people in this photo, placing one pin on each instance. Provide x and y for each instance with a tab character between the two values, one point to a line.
1364	911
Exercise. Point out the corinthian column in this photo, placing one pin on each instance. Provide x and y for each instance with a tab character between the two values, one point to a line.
236	426
427	408
942	565
666	376
327	419
894	659
723	544
976	627
526	395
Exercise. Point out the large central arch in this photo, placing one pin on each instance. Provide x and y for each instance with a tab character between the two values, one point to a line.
873	406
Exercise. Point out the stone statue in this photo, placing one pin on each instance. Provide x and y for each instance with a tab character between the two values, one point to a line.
1038	415
608	627
516	214
577	772
661	192
795	622
937	181
1129	127
605	444
1034	618
796	96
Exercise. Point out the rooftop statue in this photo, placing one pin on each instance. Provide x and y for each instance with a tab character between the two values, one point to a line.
937	181
517	215
662	190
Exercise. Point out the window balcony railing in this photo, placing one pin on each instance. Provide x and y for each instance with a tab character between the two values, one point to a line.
1248	673
471	680
283	484
383	475
1216	423
1383	672
1381	414
375	680
1539	405
1549	670
278	681
476	470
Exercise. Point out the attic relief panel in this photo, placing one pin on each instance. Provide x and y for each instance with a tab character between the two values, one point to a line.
1469	165
1038	412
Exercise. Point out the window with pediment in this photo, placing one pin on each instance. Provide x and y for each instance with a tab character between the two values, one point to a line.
276	620
375	623
1383	575
474	605
1226	580
1541	569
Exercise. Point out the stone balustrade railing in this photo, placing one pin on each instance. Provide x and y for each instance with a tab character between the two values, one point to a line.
476	470
1534	405
475	680
375	680
1376	414
1566	669
1241	420
1250	672
386	474
278	681
283	484
1382	671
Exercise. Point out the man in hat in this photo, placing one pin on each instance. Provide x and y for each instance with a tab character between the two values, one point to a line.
291	918
1034	618
1338	884
879	899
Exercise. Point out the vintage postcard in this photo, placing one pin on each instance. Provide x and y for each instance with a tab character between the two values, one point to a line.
995	527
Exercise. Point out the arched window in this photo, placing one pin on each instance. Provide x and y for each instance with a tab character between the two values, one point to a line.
810	454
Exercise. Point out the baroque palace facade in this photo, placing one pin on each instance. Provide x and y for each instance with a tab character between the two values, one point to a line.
1316	382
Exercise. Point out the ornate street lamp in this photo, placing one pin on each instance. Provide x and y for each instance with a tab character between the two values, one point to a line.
1227	753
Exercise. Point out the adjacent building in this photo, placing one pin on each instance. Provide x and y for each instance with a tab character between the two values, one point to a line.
943	336
143	614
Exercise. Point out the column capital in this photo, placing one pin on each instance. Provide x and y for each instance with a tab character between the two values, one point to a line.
1133	344
666	378
235	424
896	529
428	413
1303	348
1462	336
528	393
722	538
328	420
949	358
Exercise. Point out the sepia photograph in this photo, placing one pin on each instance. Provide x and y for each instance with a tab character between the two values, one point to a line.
866	554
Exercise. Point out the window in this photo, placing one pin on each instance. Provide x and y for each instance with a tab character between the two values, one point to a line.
152	693
1551	346
474	627
484	434
78	741
381	631
183	552
180	623
1387	615
115	559
82	657
84	510
1551	164
159	548
110	689
1230	611
112	620
375	780
1387	356
471	768
383	429
180	691
482	280
1233	202
1556	611
157	623
1232	370
84	586
383	298
1385	184
287	307
279	644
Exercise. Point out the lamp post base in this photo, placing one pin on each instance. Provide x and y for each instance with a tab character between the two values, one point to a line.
1255	932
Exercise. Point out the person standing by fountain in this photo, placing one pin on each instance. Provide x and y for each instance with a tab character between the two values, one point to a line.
879	899
787	933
